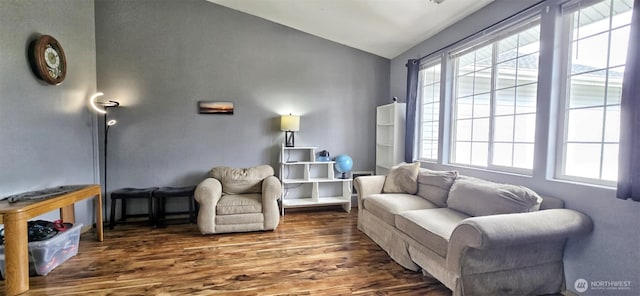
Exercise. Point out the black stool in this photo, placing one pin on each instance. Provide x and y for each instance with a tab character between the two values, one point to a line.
164	193
130	193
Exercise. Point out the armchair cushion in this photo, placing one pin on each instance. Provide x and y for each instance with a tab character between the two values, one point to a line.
402	178
231	204
244	180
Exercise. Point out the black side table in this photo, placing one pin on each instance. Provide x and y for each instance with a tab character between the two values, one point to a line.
162	194
125	194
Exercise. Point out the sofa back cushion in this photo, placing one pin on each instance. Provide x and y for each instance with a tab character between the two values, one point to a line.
245	180
434	185
477	197
402	178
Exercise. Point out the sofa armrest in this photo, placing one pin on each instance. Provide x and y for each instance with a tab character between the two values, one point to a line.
501	231
207	194
271	192
367	185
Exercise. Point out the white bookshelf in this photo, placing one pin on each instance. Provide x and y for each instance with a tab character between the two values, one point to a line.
310	183
390	121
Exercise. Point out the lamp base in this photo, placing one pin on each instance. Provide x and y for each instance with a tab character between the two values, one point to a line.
289	139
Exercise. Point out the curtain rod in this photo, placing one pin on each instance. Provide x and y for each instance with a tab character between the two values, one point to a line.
482	31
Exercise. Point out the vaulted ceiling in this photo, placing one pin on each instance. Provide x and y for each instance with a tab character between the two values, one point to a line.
383	27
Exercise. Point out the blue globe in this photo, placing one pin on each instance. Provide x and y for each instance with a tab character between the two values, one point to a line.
344	163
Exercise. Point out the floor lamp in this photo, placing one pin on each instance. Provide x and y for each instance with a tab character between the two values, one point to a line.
103	108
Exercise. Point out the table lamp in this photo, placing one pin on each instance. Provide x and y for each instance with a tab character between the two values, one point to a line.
289	124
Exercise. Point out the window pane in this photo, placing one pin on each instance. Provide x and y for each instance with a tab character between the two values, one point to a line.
614	88
464	108
529	41
612	124
465	85
585	125
525	128
463	130
463	153
583	160
480	130
481	106
526	98
428	93
590	53
507	48
528	69
484	57
591	20
506	74
466	63
482	83
502	154
587	89
610	162
503	129
621	13
619	42
505	101
523	156
479	154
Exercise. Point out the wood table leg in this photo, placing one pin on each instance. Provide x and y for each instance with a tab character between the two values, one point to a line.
68	214
99	225
16	256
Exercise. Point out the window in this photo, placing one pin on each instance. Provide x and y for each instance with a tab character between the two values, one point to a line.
429	98
494	101
596	46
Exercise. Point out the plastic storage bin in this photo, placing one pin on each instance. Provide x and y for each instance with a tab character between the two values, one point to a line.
46	255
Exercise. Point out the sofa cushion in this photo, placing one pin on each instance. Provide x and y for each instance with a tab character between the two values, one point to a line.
476	197
435	185
386	205
402	178
231	204
431	227
245	180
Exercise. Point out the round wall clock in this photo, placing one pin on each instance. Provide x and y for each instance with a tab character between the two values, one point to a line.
47	59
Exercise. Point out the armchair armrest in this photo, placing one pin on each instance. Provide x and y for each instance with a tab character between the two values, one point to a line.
499	231
367	185
271	192
207	194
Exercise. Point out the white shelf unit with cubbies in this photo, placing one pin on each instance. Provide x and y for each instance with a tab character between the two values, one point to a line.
390	121
310	183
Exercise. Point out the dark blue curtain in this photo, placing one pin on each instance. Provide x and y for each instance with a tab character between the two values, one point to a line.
629	155
413	66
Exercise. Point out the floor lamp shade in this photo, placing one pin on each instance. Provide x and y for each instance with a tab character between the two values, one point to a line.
289	124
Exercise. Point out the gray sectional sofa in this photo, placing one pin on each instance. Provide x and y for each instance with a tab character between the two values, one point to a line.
476	237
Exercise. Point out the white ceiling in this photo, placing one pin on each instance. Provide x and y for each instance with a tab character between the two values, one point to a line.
383	27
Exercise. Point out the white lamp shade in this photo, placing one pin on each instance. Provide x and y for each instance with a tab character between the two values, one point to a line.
290	123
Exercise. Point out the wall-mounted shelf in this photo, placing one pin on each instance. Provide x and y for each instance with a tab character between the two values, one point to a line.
310	183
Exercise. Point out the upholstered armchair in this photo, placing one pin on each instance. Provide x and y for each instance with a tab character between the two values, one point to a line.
238	200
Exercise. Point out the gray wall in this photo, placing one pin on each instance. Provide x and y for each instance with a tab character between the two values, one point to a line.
158	58
46	131
612	251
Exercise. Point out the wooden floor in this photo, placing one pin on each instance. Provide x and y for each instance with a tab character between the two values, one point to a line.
311	253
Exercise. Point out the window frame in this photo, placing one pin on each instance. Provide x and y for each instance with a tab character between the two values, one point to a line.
515	27
564	85
426	64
